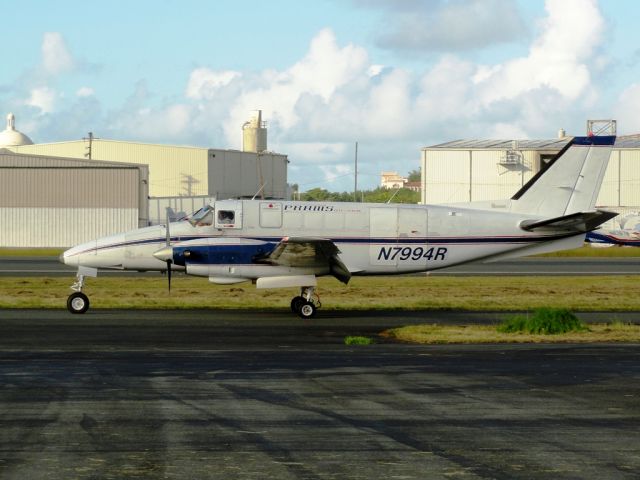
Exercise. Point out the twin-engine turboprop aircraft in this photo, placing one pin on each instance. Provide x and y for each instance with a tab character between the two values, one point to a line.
290	244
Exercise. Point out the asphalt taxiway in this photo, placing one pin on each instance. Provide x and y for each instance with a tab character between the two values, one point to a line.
224	394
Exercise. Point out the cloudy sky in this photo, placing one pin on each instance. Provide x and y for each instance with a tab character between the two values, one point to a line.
394	75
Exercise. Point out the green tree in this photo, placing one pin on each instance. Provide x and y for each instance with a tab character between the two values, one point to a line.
378	195
414	175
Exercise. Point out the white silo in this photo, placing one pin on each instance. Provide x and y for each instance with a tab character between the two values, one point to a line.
254	134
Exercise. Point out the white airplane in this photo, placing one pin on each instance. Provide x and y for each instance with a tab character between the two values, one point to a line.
289	244
628	235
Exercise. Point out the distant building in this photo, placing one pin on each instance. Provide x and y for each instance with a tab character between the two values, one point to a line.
480	170
392	180
85	176
10	137
415	186
184	171
60	202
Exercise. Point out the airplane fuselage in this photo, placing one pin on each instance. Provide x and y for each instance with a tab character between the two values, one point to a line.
373	239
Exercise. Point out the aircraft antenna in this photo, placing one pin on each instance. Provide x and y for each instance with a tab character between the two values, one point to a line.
259	190
394	194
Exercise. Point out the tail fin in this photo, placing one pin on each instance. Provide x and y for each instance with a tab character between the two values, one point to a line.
570	183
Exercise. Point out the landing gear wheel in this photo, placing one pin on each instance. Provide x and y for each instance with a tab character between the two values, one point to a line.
296	303
307	310
78	303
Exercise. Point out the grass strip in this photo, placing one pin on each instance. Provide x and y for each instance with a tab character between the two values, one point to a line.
583	293
591	252
547	321
356	340
479	334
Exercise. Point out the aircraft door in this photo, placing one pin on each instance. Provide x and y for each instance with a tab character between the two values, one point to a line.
383	233
270	214
412	237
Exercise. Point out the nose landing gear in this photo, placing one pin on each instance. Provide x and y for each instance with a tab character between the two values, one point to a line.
78	302
307	303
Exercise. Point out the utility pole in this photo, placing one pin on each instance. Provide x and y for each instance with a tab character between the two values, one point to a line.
355	187
88	152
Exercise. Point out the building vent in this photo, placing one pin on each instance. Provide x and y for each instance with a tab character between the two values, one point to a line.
254	134
511	157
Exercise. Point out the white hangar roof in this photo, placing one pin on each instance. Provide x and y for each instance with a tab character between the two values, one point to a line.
625	141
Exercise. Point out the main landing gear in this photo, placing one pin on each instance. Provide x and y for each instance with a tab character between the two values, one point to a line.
78	302
307	303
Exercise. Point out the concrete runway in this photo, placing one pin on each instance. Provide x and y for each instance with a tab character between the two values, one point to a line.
220	394
49	266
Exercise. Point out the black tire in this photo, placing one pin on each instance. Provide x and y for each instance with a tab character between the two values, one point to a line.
307	310
296	303
78	303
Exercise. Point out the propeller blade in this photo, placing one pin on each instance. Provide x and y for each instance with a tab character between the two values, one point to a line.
169	262
168	231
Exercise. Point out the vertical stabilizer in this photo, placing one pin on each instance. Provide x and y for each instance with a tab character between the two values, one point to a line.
571	182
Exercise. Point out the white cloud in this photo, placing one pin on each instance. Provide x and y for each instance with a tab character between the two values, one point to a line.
164	124
558	58
375	70
56	57
454	25
323	70
204	83
85	92
335	95
627	108
43	98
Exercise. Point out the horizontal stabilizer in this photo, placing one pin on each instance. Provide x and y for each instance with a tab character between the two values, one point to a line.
580	222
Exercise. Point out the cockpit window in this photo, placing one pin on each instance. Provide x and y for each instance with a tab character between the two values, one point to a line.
202	217
226	217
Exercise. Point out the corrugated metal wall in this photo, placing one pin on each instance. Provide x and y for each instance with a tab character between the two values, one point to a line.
72	187
447	176
173	170
56	202
235	174
62	227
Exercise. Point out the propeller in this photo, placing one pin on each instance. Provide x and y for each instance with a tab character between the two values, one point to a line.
169	260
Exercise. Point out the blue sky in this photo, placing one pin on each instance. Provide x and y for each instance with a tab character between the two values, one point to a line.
393	75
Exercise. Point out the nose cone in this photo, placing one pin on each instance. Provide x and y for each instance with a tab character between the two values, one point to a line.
164	254
73	255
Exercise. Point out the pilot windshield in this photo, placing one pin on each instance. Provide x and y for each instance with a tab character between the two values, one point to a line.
202	217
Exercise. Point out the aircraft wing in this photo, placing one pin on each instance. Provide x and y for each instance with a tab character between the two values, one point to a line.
580	222
309	252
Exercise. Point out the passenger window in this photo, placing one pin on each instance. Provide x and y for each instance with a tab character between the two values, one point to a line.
226	217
